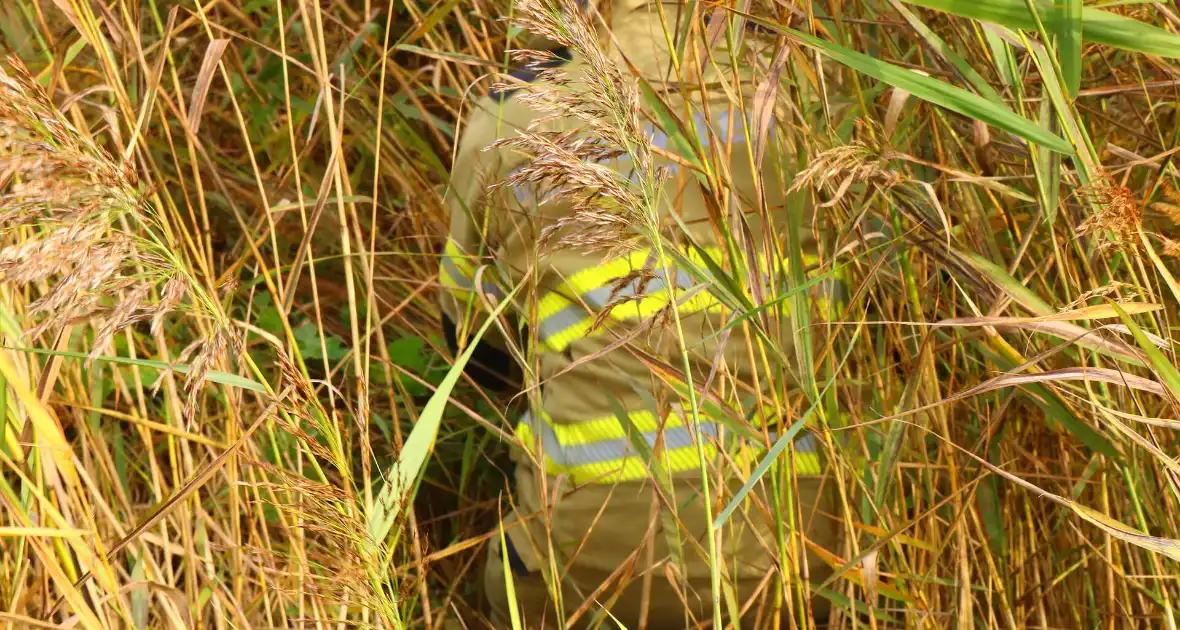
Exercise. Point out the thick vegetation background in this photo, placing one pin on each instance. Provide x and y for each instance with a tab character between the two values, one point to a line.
219	238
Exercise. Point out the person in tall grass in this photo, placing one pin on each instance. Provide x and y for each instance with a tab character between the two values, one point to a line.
633	251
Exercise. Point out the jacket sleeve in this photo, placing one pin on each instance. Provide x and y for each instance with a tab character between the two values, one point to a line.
467	259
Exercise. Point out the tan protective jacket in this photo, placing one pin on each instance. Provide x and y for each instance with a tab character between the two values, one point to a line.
601	337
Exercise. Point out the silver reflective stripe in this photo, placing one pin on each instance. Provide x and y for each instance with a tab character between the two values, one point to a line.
833	290
605	451
599	297
806	443
616	450
549	440
621	448
560	321
465	283
575	313
460	279
721	128
492	290
523	192
659	139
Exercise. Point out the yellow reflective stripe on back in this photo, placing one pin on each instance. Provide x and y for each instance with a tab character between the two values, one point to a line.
568	335
552	304
609	428
679	460
558	336
590	278
567	314
595	454
650	305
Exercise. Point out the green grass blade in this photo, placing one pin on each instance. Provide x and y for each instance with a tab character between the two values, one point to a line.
1075	130
1047	167
1069	44
1157	263
800	304
687	144
942	94
224	378
1100	27
509	583
1017	291
784	440
939	44
991	508
842	601
1162	366
1001	56
420	443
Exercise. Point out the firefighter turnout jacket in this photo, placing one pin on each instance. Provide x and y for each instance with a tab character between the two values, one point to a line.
603	353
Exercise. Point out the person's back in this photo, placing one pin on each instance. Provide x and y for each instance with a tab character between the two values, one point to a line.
633	258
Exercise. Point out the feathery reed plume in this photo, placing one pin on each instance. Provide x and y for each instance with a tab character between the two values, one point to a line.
63	201
1116	210
857	161
571	166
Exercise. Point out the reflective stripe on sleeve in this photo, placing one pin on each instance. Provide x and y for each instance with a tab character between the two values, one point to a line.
457	272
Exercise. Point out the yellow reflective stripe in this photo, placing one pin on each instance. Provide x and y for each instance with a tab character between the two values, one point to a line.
568	336
639	309
590	278
650	305
464	262
715	255
701	301
826	288
675	461
457	273
632	467
456	269
608	427
567	314
564	319
679	460
713	252
808	464
551	304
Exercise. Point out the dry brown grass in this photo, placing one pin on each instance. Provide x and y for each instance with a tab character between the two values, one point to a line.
251	192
